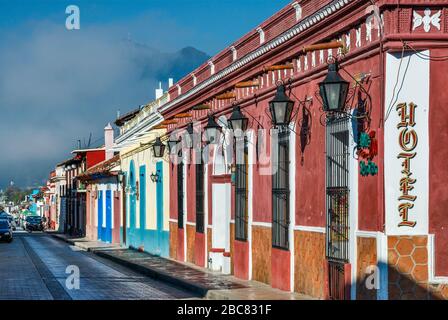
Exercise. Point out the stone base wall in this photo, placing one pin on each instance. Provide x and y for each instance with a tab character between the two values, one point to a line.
309	260
191	233
408	270
261	254
173	240
366	257
209	243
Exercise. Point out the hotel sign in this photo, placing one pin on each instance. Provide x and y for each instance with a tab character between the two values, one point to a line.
407	139
406	146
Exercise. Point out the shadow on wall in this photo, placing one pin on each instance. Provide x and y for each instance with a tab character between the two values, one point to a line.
406	281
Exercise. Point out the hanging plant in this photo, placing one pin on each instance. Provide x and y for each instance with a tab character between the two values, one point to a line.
368	145
368	168
364	140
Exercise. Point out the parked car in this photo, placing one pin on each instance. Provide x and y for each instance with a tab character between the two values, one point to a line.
5	230
33	223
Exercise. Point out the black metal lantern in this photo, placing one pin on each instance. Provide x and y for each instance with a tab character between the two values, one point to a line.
172	145
281	107
212	130
155	177
237	120
120	177
188	136
158	148
333	90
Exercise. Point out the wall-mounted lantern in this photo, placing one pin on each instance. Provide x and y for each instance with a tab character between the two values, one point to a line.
120	176
212	130
237	120
281	107
155	177
172	145
158	148
188	136
333	90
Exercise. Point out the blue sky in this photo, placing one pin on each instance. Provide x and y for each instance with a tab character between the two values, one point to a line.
59	86
208	25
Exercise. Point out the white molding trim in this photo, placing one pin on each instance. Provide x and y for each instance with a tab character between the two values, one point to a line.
173	220
262	224
190	223
309	229
367	234
153	120
185	206
292	205
250	198
432	278
205	204
305	24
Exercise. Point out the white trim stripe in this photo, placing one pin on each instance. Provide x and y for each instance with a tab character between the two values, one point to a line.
310	229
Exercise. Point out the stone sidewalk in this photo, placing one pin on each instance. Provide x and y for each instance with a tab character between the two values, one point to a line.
210	285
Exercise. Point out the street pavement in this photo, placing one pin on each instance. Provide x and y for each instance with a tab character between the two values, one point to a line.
34	266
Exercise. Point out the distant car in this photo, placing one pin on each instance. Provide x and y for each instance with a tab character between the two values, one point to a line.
33	223
5	230
12	222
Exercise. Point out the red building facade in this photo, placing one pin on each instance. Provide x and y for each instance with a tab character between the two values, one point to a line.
346	208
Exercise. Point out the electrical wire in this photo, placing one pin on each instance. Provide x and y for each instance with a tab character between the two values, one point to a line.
424	56
395	96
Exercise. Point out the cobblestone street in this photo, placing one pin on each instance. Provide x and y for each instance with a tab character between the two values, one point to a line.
33	267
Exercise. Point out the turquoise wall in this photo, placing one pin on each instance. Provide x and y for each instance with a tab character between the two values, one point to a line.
154	241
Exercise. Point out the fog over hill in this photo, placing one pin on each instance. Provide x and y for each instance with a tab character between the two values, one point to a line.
58	87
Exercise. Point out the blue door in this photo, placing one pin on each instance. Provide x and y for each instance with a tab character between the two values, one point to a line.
131	234
108	229
142	192
159	197
100	215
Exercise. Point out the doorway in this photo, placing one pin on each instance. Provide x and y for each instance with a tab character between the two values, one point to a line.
221	204
337	206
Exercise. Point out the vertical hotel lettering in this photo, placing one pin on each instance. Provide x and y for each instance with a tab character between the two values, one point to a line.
408	140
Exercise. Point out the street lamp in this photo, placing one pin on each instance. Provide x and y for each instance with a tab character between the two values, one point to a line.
281	107
158	148
333	90
212	130
237	120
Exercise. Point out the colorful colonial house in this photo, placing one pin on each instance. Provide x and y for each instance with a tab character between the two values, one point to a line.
103	207
146	180
75	191
104	195
325	176
58	179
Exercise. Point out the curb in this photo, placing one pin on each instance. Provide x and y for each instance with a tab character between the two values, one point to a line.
79	244
57	236
157	274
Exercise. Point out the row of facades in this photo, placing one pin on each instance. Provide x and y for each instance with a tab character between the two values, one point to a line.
342	205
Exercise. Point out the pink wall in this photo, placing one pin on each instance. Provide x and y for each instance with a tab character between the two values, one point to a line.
438	155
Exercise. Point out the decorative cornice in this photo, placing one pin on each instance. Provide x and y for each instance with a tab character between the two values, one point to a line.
305	24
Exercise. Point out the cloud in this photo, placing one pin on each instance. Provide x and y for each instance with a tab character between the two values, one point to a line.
57	86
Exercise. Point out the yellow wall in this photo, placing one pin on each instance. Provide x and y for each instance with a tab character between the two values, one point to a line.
145	157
